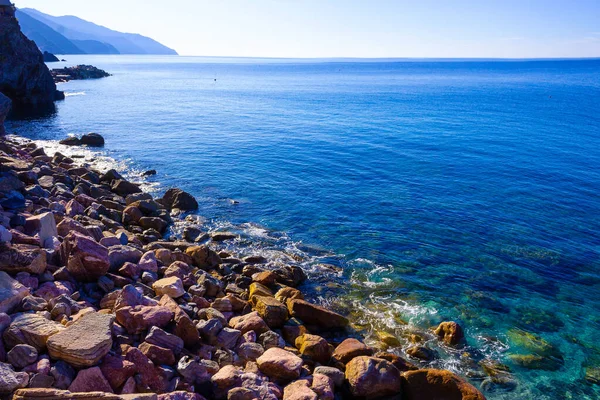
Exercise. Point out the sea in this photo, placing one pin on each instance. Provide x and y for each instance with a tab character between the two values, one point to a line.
412	191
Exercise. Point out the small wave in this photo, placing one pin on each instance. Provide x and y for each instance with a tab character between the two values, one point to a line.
67	94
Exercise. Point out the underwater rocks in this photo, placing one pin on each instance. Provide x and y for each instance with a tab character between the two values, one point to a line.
103	307
431	384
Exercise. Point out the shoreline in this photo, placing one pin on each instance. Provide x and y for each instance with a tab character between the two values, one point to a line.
260	284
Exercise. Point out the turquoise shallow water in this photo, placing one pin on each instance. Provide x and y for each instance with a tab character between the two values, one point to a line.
444	190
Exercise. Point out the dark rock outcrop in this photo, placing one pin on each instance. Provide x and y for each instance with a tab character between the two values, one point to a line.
24	78
5	104
49	57
79	72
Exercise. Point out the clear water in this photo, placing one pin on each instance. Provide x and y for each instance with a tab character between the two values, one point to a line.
445	190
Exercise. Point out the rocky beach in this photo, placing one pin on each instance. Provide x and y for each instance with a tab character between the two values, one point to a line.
96	303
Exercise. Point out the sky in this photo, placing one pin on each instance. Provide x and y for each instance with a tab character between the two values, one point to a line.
352	28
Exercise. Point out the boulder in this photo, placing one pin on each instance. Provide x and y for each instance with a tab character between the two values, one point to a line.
11	293
22	258
203	257
316	315
450	333
315	347
372	377
249	322
429	384
31	329
90	380
299	390
272	311
92	140
140	318
161	338
177	198
71	141
172	287
86	260
349	349
84	343
125	188
184	327
22	355
280	364
11	380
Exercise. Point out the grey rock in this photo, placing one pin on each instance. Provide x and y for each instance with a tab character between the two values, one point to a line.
22	355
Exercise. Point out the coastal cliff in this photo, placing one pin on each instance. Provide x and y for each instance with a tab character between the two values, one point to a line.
24	78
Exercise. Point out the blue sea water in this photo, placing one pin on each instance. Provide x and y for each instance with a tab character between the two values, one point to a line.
465	190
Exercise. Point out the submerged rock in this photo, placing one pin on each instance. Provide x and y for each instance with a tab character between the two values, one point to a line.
428	384
450	333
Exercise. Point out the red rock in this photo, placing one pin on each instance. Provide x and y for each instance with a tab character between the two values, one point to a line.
141	318
373	377
22	258
90	380
323	386
68	225
117	370
86	260
184	327
51	290
158	355
429	384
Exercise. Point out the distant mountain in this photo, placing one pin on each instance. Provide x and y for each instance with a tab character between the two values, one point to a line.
89	37
46	38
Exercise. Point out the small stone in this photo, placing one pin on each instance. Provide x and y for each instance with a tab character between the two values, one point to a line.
299	390
250	351
161	338
227	377
158	355
172	287
227	338
63	375
117	370
323	386
249	322
22	355
41	381
140	318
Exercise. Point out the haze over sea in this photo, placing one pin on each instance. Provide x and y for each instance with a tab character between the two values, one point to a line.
465	190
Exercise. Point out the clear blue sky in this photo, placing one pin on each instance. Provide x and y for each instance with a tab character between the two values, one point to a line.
351	28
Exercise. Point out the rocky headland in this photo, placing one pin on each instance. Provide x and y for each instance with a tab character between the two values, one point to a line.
78	72
96	303
24	77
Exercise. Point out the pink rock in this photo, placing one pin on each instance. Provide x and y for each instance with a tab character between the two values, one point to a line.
299	390
90	380
148	262
86	259
11	293
141	318
249	322
74	208
43	224
280	364
85	200
130	296
323	386
68	225
129	387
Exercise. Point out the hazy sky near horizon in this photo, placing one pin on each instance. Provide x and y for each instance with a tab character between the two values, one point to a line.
352	28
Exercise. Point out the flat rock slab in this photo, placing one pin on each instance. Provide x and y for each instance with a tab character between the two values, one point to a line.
84	343
11	293
55	394
31	329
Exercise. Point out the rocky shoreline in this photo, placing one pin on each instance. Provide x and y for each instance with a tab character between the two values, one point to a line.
96	304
